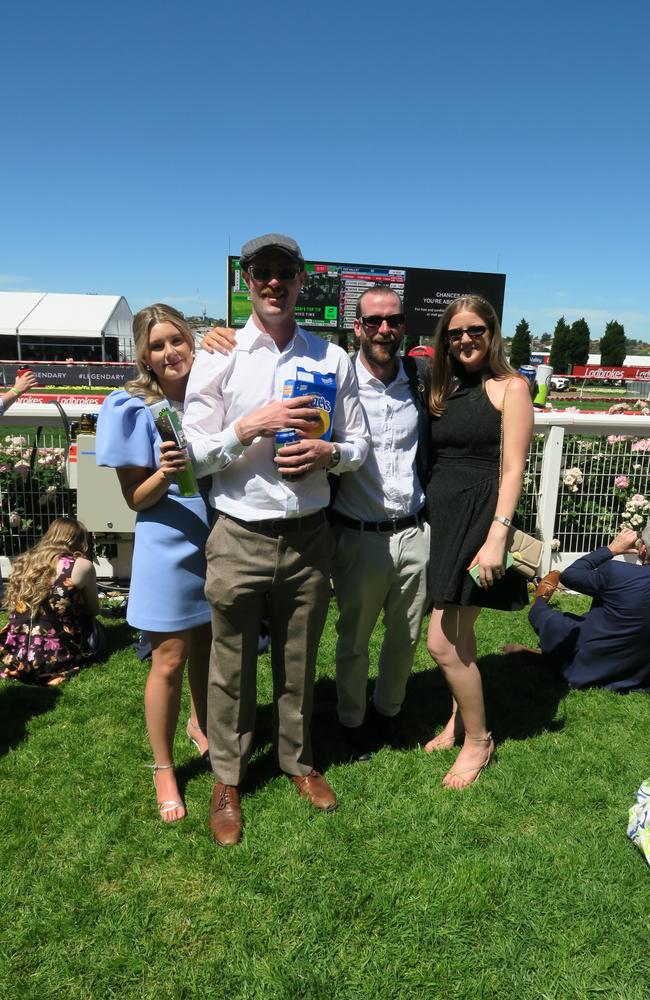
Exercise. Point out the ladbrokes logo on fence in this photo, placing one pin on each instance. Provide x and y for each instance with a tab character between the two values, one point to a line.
631	372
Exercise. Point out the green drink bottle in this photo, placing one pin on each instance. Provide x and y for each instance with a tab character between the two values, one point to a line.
169	427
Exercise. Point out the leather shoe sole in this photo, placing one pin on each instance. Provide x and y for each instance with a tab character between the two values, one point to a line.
547	585
225	815
314	787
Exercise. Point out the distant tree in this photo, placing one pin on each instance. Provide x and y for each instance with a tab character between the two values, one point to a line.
559	359
520	350
579	336
613	344
202	321
546	338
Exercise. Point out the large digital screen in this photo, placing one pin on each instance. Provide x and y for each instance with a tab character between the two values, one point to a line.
328	300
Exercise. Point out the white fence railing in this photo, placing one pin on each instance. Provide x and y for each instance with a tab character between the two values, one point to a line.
573	512
576	511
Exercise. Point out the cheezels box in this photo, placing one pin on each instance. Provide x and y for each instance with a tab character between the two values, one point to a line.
322	386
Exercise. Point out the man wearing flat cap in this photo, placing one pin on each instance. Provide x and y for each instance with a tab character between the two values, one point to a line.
271	544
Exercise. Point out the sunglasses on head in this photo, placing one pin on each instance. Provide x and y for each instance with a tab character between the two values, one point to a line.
263	272
475	332
374	322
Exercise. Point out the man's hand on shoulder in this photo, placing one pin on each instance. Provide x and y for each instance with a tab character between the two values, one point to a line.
220	338
626	541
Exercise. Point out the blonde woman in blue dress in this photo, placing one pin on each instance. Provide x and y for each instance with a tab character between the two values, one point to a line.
166	598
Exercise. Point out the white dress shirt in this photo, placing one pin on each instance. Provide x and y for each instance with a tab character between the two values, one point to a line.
387	484
224	388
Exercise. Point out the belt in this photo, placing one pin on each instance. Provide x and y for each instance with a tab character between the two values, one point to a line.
389	526
279	525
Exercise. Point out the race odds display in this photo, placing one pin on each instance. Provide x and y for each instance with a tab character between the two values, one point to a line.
327	302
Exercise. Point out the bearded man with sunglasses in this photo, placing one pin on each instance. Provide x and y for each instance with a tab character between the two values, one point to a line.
382	536
271	545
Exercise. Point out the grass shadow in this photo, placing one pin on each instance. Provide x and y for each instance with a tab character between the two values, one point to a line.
119	634
522	696
18	704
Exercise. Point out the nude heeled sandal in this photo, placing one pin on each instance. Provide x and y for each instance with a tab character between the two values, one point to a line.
205	756
168	805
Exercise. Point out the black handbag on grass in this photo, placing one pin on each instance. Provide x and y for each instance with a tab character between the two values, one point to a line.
94	641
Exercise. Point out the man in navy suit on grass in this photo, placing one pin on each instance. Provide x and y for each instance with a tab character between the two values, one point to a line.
609	646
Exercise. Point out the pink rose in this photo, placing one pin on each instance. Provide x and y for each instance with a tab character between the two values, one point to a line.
621	482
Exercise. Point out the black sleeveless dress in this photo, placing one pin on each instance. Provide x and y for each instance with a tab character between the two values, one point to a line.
462	497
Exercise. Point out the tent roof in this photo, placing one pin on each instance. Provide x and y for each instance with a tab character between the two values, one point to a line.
14	309
57	315
74	315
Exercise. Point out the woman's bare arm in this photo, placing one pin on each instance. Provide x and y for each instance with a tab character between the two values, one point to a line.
84	578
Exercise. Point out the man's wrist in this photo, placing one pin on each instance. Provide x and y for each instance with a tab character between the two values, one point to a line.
12	388
335	456
243	432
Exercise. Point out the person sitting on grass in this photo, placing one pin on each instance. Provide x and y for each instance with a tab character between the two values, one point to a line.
609	646
50	594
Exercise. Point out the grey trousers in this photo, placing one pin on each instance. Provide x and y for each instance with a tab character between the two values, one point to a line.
250	571
374	572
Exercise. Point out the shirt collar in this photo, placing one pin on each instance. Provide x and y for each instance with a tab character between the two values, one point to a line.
251	337
364	376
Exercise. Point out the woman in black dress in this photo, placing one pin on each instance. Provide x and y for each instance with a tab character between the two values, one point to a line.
471	499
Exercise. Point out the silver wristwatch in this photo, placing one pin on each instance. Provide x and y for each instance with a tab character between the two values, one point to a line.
336	456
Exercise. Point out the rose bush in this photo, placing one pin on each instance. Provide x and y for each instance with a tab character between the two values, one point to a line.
31	485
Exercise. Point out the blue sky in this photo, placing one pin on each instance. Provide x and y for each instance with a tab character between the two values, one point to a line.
140	141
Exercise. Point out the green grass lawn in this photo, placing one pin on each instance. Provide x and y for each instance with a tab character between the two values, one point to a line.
522	886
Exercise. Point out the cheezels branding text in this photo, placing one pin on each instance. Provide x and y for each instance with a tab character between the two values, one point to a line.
322	387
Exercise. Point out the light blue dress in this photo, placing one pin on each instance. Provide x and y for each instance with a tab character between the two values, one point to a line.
168	570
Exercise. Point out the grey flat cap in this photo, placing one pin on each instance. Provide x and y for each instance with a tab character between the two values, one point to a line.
271	241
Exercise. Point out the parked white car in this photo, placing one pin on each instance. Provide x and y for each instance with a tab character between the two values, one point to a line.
560	383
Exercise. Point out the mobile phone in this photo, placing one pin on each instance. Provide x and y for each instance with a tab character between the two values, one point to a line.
474	571
25	371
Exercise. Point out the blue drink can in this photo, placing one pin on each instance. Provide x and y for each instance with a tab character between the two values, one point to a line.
528	371
286	436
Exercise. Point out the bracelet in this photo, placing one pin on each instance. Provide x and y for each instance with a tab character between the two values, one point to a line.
16	394
503	520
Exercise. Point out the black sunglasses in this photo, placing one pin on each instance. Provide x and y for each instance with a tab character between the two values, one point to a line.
472	331
374	322
262	273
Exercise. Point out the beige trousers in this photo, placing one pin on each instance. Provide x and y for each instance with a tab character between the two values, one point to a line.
374	572
252	571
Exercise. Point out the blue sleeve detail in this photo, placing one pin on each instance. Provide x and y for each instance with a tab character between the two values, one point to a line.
126	435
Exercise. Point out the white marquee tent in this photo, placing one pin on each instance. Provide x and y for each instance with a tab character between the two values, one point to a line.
34	316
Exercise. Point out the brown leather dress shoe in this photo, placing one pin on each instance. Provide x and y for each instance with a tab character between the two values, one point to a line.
314	787
225	815
547	585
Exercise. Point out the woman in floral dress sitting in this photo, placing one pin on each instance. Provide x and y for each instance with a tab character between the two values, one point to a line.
52	590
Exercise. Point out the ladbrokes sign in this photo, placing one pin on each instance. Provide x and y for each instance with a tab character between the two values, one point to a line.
628	372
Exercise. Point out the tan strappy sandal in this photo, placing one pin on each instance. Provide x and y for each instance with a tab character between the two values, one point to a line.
491	757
